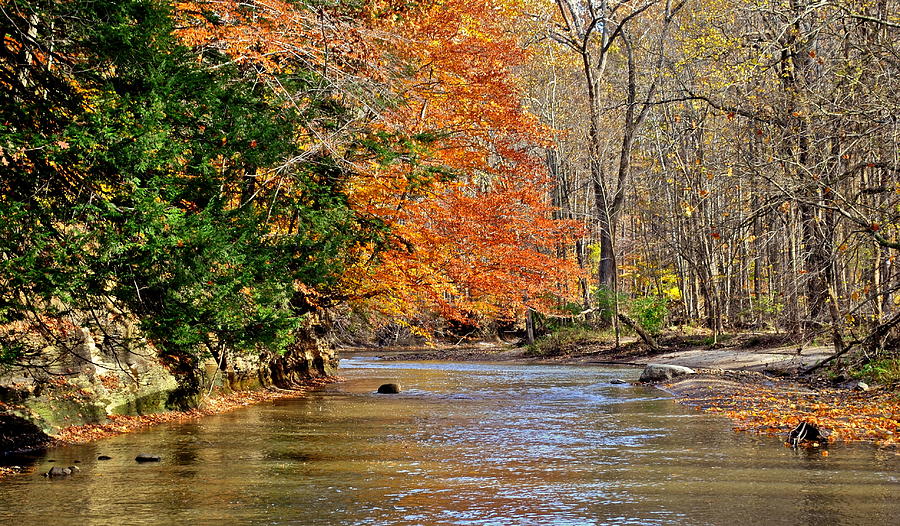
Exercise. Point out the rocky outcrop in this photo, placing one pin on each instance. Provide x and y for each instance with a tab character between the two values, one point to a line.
17	433
310	357
655	372
106	368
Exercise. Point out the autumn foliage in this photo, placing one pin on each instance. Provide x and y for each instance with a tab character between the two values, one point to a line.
478	239
774	409
448	166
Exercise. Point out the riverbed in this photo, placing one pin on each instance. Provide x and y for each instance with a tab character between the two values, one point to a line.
463	443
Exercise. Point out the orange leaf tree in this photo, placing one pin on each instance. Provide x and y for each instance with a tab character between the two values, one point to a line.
434	133
474	231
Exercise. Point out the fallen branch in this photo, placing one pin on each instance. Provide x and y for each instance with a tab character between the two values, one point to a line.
648	339
872	340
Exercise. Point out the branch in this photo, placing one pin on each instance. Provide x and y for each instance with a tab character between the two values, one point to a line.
733	109
875	336
876	20
648	339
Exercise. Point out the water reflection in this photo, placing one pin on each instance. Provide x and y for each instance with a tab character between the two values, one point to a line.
463	444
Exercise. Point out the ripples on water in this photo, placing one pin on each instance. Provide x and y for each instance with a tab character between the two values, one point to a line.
463	444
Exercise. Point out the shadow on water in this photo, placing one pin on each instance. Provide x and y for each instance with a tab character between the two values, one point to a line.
468	443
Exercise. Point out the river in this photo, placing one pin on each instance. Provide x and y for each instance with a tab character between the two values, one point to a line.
464	443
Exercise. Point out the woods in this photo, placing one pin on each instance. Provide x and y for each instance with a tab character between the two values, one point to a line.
223	172
740	158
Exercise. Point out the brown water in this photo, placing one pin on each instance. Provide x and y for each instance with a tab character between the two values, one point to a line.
463	444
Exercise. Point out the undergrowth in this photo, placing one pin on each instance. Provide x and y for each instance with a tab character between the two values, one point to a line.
885	371
566	339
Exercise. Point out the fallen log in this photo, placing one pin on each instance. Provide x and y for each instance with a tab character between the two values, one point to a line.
648	339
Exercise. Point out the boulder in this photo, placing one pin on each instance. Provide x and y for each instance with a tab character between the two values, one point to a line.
389	389
146	457
855	385
57	471
655	372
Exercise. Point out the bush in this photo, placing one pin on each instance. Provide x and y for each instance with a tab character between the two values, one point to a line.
884	371
650	312
606	303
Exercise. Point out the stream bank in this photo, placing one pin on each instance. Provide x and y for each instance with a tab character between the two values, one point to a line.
107	379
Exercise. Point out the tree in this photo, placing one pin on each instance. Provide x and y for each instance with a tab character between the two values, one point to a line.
136	171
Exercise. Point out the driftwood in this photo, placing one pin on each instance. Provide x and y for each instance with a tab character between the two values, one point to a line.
806	432
648	339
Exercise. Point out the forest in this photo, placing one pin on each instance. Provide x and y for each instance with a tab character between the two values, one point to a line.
228	171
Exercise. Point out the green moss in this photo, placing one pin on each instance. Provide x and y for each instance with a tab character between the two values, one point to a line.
57	414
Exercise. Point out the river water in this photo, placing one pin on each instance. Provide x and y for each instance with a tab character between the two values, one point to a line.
464	443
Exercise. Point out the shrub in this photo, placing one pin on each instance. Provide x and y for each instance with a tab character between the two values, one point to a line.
650	312
884	371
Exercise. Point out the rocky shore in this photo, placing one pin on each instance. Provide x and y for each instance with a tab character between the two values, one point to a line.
107	375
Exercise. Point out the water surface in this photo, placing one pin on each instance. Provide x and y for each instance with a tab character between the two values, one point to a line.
463	444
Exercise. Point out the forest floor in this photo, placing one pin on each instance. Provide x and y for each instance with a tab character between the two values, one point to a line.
751	378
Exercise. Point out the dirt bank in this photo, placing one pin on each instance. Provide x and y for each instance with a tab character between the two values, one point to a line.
742	354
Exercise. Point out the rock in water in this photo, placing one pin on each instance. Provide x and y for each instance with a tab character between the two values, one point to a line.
104	457
389	389
56	471
655	372
618	381
145	457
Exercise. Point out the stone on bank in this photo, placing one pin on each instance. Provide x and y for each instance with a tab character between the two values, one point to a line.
656	372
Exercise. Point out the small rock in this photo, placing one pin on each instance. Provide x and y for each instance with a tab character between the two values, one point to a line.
855	385
57	471
104	457
146	457
389	389
618	381
655	372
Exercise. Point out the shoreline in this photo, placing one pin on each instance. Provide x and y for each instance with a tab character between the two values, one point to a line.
124	424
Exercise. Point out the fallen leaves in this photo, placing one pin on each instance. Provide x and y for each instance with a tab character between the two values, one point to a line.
849	416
